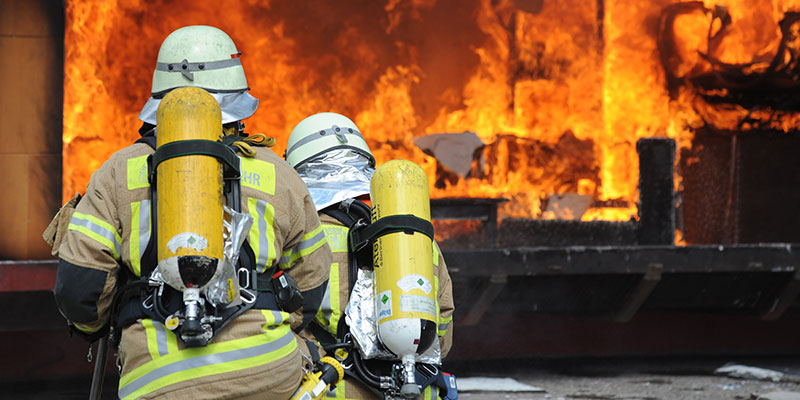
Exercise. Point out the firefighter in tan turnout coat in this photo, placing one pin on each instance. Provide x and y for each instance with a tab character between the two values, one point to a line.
259	353
337	166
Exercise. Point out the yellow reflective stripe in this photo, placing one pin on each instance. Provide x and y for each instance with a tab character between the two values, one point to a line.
259	175
157	338
273	318
137	173
310	242
140	233
444	323
436	295
98	230
431	393
435	253
214	359
335	302
89	328
323	316
262	232
337	237
160	340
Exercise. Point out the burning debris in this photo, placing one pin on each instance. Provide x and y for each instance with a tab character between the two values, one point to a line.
757	91
455	151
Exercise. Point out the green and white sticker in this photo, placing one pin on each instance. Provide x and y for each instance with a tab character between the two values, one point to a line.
384	304
415	281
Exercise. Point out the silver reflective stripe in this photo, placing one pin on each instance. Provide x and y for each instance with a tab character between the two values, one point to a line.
144	226
304	245
185	67
105	233
263	238
341	134
278	317
161	338
443	327
325	307
204	360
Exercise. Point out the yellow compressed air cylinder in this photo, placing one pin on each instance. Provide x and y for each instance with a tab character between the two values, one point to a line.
189	190
404	295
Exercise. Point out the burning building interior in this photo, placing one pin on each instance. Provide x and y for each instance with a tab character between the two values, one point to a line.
598	170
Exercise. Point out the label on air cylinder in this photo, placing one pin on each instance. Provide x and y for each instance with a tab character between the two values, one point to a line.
384	301
415	281
414	303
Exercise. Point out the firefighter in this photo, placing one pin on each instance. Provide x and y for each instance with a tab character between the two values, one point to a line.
107	241
333	159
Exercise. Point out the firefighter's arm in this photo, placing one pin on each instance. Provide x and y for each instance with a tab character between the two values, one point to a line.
307	258
445	300
89	259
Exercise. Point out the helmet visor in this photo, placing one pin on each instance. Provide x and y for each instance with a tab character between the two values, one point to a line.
335	176
234	106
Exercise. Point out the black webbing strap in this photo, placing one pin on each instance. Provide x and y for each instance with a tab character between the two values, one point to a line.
407	223
198	147
324	337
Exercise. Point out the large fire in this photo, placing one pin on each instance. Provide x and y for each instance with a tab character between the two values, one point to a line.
559	91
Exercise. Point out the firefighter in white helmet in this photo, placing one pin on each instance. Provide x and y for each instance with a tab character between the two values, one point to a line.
105	241
332	157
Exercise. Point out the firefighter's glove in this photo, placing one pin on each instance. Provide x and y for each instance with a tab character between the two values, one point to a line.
89	337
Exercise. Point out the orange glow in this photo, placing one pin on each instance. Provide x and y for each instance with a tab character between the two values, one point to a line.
559	91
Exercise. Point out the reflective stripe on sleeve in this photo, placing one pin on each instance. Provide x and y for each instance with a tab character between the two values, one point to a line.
436	296
140	233
444	323
435	253
262	233
311	241
214	359
97	229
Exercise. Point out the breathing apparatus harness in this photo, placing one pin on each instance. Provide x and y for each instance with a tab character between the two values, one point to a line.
379	376
144	297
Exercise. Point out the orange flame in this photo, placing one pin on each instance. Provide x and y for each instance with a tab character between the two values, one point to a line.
558	90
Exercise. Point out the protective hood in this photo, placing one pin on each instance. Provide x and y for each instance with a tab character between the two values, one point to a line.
335	176
235	107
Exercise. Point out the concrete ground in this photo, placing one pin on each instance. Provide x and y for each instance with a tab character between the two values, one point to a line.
639	378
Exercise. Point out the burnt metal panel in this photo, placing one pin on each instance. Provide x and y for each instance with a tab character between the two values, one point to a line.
656	192
527	232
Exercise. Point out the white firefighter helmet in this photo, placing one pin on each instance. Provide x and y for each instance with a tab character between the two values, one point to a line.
201	56
323	132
